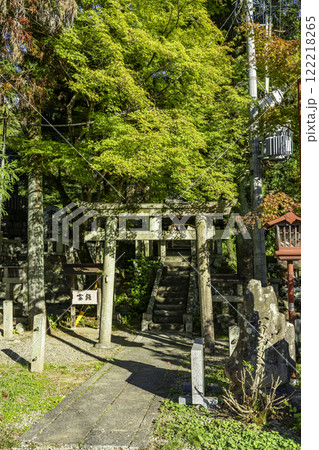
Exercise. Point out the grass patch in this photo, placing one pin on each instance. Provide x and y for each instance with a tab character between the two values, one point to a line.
182	426
26	396
191	427
216	375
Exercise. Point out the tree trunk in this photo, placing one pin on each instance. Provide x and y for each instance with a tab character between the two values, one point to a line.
35	245
108	279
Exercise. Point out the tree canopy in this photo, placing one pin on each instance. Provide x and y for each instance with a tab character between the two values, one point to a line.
154	83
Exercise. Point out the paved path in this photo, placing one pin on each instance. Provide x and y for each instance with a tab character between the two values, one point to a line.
116	407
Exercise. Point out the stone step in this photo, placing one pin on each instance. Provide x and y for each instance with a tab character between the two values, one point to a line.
174	271
167	327
170	307
172	299
164	319
174	276
176	261
172	314
178	252
169	289
175	281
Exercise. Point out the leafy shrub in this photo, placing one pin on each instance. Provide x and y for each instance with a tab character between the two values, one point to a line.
189	426
138	288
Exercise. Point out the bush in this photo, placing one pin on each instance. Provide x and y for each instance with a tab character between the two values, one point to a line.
135	296
186	426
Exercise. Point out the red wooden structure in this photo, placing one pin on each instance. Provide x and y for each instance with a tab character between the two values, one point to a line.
288	237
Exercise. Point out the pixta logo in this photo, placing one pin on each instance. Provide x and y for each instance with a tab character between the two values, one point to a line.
69	217
149	226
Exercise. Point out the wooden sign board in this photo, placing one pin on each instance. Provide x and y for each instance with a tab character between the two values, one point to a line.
84	297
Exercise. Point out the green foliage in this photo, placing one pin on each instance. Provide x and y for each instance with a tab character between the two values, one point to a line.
23	393
157	79
216	375
26	396
140	274
248	365
8	178
270	243
53	321
229	250
284	176
297	416
26	388
190	426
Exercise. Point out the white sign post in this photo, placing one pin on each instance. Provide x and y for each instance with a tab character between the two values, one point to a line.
84	297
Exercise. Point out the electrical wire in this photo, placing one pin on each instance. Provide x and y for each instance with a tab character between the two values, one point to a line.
54	125
234	10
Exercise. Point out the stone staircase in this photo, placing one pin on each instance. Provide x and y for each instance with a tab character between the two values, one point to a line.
172	295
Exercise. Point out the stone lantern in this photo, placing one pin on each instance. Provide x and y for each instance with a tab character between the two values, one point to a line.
288	238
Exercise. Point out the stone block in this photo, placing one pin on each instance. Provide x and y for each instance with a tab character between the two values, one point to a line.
187	318
210	402
147	317
185	400
144	325
277	346
189	329
38	344
8	319
233	338
197	365
20	328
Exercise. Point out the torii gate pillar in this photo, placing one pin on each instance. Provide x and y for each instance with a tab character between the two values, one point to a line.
108	278
204	283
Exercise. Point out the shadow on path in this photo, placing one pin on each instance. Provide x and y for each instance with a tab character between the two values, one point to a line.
119	340
79	349
147	377
15	357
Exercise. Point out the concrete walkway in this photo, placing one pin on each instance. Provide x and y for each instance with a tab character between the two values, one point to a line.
116	407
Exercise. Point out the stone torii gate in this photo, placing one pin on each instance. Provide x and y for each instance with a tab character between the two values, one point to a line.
151	215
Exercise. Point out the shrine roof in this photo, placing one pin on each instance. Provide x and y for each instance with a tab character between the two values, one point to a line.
289	217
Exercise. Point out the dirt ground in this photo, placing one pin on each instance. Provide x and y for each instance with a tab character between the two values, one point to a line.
63	346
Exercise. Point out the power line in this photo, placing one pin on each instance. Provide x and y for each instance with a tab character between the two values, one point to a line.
54	125
234	10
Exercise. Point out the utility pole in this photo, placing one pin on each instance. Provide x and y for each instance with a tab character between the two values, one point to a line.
268	33
3	155
260	268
